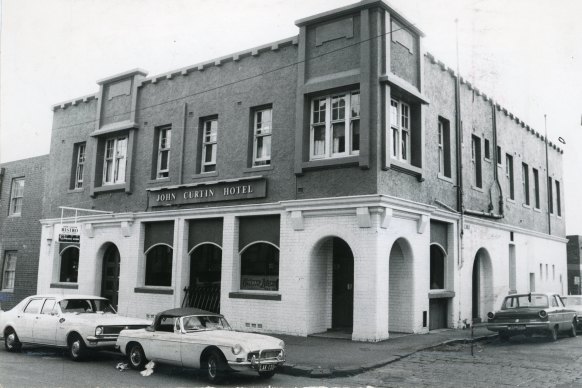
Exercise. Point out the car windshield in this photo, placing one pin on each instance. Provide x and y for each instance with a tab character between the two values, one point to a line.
86	306
572	301
525	301
204	322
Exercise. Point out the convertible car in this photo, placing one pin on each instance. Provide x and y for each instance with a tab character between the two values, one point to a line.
75	322
533	313
200	339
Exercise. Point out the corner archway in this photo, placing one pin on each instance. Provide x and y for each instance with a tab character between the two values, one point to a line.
110	274
482	285
400	288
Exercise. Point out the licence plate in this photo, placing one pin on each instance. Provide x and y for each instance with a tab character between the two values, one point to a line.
516	327
267	367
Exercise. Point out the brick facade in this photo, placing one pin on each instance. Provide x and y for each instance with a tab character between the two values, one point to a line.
380	196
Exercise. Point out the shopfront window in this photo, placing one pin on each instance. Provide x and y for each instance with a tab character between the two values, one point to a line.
69	265
159	266
260	267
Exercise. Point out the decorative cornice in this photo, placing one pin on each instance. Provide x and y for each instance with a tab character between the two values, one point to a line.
74	102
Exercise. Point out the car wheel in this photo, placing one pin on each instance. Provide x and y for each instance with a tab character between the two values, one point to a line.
77	348
553	336
136	357
214	367
572	332
267	375
11	341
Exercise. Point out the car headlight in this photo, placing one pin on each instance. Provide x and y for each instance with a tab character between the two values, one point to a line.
282	344
98	330
236	349
543	314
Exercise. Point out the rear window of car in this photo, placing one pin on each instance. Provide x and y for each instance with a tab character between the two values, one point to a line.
525	301
33	307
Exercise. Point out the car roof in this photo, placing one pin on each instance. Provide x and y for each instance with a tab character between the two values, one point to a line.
67	296
185	311
533	293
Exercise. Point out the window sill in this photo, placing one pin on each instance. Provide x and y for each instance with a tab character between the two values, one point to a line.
68	286
406	169
154	290
254	295
70	191
18	215
332	162
525	205
258	168
160	180
445	178
443	293
8	291
479	189
487	160
511	200
537	209
203	175
106	188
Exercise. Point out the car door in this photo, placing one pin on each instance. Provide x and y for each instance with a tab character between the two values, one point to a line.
24	320
164	343
45	324
191	347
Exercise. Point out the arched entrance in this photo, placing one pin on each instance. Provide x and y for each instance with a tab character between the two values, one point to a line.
400	288
205	277
438	306
482	290
110	274
342	299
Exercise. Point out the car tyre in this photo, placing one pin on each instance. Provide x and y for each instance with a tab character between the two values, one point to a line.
11	341
572	332
77	348
553	336
267	375
136	357
214	367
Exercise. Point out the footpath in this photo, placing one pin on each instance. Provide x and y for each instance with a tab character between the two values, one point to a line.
333	357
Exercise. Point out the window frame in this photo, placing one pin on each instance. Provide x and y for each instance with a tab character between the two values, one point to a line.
16	196
80	165
244	251
148	276
12	278
525	183
558	199
510	175
400	128
71	262
259	133
211	143
164	146
536	182
348	120
118	161
550	195
476	161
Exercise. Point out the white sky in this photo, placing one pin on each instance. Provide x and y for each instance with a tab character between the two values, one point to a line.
527	54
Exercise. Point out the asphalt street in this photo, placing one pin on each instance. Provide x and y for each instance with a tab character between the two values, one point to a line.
533	362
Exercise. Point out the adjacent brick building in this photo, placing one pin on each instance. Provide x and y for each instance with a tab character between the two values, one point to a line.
574	265
340	179
21	197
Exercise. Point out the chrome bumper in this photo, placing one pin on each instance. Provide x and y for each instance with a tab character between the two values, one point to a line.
512	327
255	363
101	341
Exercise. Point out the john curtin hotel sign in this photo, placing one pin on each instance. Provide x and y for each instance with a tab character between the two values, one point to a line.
227	190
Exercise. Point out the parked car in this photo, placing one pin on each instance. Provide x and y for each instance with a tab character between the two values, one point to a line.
574	302
75	322
194	338
533	313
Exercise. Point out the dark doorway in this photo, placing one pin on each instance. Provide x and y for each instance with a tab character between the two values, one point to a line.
438	313
110	275
343	286
476	290
205	276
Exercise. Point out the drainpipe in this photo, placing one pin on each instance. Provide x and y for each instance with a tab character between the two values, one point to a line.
549	187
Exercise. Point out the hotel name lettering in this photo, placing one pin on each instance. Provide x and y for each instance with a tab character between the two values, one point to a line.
220	191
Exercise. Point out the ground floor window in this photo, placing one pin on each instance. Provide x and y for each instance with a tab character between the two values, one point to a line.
437	268
260	267
159	266
69	265
9	270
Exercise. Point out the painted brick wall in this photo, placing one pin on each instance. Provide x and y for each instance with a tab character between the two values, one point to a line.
22	233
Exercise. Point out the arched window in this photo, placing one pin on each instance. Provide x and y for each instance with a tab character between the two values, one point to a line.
69	265
437	268
260	268
159	266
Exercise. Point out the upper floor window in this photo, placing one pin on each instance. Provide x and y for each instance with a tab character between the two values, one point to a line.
209	145
9	270
262	131
164	144
16	196
499	161
79	165
550	195
444	147
558	202
536	182
509	174
335	126
476	160
525	182
115	160
487	150
400	125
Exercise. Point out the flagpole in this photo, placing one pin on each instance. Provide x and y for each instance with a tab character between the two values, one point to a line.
549	186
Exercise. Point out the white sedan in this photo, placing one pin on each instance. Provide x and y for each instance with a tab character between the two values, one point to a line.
194	338
75	322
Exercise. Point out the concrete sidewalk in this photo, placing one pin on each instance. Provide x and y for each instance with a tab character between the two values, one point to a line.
329	357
